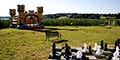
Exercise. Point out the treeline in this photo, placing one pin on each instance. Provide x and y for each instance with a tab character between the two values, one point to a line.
75	19
82	16
71	22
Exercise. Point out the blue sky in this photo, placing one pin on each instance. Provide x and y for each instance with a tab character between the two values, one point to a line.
63	6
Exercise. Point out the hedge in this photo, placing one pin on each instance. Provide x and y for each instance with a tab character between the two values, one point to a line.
74	22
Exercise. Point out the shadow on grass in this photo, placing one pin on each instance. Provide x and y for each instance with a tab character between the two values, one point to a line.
49	29
62	29
59	41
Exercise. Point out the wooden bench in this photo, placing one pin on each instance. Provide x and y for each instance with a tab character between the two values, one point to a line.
50	34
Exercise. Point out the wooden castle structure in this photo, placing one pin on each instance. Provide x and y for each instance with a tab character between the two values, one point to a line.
25	17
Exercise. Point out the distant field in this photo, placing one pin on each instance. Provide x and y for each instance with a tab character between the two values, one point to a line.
18	44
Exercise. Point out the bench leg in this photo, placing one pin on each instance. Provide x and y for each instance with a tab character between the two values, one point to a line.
60	37
57	37
47	38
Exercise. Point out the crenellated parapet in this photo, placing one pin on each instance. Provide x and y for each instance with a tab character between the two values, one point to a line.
40	12
40	9
21	8
12	12
31	11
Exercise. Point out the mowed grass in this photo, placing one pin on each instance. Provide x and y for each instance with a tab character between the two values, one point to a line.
16	44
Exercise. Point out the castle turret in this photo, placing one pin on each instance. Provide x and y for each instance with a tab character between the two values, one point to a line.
21	14
40	13
40	9
12	12
21	8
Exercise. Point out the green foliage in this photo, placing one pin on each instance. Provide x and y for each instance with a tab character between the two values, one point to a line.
72	22
4	23
117	22
69	22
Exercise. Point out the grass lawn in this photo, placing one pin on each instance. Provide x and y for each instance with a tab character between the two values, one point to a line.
18	44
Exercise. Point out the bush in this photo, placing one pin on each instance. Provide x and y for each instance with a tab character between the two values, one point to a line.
118	22
4	23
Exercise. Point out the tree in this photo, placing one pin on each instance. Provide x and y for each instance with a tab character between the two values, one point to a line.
118	16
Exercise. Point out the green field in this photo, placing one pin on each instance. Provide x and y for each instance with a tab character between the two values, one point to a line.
18	44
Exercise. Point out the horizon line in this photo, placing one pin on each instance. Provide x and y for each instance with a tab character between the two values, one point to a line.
68	13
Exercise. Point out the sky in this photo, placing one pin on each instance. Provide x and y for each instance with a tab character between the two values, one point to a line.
63	6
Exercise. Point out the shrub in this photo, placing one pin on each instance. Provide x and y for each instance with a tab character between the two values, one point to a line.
118	22
4	23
